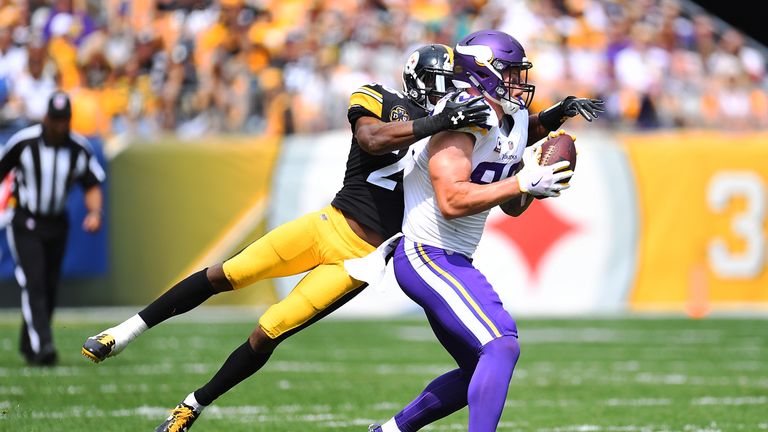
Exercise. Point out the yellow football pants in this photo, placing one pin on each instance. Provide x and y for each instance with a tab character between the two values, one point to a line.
318	242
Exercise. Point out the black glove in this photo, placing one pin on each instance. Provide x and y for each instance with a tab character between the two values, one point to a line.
553	117
455	115
588	108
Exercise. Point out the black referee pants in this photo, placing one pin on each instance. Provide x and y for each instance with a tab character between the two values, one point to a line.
38	246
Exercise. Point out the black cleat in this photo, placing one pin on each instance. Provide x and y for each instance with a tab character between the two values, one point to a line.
180	420
46	357
97	348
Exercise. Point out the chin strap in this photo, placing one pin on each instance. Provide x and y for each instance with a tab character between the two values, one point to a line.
509	107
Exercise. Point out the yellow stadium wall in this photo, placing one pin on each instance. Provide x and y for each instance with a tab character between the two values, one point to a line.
703	215
179	207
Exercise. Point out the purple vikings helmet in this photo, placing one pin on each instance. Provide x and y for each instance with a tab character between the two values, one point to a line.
479	61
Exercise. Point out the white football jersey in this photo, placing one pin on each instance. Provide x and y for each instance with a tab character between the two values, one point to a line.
496	156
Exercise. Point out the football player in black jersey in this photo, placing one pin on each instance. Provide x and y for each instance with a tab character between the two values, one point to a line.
366	211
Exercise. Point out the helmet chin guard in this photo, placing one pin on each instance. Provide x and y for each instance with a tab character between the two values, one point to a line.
510	106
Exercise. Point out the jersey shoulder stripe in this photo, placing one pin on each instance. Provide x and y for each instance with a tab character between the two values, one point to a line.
382	102
25	134
372	89
81	141
366	97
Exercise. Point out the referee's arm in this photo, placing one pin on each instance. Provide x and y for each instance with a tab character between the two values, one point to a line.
93	202
93	196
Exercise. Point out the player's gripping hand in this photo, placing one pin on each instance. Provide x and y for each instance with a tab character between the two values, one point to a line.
542	180
455	115
590	109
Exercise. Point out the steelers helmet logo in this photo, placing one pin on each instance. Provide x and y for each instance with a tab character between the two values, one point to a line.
410	65
399	113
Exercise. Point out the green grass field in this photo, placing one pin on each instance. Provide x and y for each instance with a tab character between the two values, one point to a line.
622	375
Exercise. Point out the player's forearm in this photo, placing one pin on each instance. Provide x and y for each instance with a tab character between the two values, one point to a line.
517	205
94	200
536	131
467	198
382	138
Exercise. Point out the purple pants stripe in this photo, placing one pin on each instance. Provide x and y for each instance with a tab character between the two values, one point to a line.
454	294
457	286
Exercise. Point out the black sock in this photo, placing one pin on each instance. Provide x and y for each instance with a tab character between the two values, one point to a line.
182	297
242	363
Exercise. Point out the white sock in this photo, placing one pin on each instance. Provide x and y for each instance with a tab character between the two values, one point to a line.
390	426
191	401
126	332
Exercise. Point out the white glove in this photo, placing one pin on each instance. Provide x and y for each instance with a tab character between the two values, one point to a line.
542	181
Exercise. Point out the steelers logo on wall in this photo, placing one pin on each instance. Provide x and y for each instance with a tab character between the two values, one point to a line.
398	113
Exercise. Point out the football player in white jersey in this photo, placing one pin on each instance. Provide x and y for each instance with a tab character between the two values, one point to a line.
457	178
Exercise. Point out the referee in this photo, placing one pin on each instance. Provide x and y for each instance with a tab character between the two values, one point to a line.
47	159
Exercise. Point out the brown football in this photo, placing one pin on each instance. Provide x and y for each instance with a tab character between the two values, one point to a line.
561	147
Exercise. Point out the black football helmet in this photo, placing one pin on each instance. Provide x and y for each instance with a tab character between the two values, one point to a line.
427	74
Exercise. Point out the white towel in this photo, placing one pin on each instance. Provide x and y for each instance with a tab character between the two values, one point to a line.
372	268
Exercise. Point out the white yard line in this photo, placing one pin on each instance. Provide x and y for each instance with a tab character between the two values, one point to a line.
735	400
637	402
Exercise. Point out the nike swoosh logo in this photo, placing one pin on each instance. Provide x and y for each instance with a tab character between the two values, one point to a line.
537	182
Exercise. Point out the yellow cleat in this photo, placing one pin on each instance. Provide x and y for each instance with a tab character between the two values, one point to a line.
97	348
180	420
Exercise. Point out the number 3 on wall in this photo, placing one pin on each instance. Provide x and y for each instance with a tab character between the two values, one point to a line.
747	225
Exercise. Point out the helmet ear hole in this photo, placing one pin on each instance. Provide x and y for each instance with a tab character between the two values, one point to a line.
482	74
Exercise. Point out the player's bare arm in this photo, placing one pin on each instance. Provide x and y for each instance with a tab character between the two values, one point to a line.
377	137
450	167
536	131
94	203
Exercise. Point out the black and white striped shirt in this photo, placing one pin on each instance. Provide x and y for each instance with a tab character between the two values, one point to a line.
44	173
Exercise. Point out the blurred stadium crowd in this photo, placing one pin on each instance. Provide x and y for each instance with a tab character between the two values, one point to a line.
192	67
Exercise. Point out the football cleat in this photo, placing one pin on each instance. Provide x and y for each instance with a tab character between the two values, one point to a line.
374	428
97	348
180	420
46	357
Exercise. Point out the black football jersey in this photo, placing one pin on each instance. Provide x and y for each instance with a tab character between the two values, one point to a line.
373	185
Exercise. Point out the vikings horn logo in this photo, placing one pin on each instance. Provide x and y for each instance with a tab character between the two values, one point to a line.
482	54
399	113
